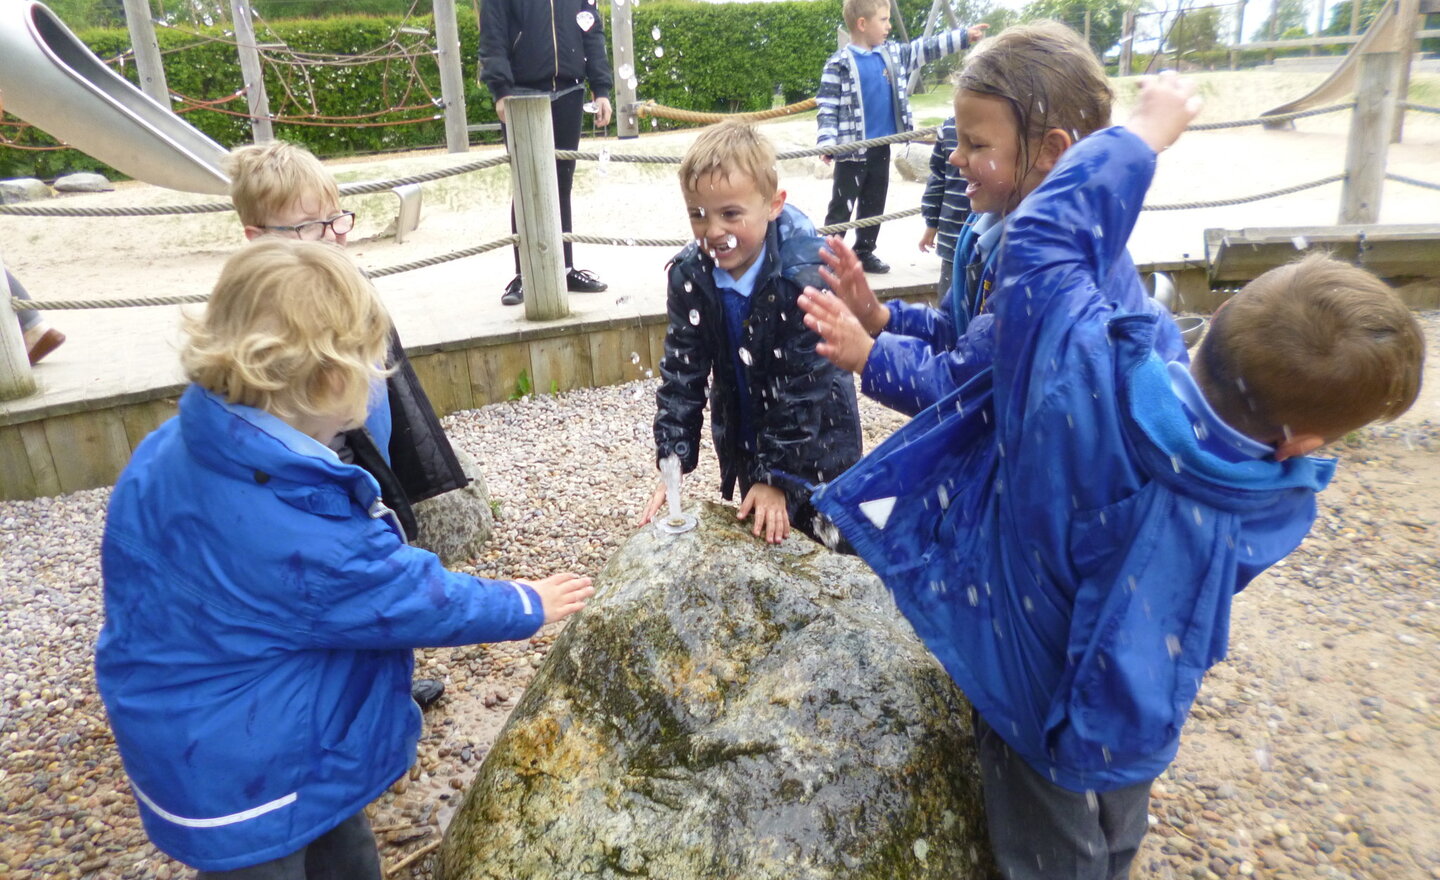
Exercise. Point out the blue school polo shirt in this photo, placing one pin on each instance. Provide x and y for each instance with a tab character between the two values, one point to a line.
876	94
735	296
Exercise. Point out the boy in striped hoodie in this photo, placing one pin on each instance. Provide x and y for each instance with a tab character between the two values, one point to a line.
864	95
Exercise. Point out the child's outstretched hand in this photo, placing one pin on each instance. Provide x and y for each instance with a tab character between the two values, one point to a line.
843	272
1167	104
657	499
562	594
846	344
976	33
771	516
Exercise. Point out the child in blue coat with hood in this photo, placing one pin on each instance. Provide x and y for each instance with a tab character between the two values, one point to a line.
1067	529
261	604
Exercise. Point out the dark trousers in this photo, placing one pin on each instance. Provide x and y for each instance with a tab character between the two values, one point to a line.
566	115
861	187
346	853
1040	831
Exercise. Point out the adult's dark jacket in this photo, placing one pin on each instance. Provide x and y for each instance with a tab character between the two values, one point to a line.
807	420
421	463
542	45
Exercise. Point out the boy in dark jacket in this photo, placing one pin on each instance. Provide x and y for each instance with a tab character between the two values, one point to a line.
1066	530
782	417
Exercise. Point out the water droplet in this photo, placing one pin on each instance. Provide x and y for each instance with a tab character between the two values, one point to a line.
1130	583
626	71
973	595
745	357
1091	800
654	123
589	107
1175	463
655	32
659	51
634	357
944	497
779	355
731	241
1029	604
1201	432
694	313
688	288
1172	645
649	374
1300	242
1199	517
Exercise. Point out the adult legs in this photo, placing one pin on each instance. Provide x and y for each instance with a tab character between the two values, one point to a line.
874	186
347	852
1040	831
40	338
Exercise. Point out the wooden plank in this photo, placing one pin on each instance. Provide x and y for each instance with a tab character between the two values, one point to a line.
1408	251
89	449
495	371
17	483
42	465
446	377
142	418
560	364
620	355
657	332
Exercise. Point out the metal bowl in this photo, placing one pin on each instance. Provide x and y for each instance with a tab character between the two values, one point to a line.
1192	327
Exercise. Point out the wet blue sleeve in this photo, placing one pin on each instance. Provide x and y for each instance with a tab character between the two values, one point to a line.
908	374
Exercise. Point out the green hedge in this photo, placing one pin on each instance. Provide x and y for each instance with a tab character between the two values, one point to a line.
717	57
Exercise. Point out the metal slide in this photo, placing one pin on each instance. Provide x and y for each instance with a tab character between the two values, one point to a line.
1380	36
53	81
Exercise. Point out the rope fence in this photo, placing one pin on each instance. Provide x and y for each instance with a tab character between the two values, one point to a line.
377	186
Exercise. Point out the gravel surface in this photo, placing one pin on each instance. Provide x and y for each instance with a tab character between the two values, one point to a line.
1314	750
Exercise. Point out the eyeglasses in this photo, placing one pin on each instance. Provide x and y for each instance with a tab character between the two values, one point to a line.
314	230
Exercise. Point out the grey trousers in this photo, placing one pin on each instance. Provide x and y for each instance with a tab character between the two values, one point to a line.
1040	831
28	318
347	852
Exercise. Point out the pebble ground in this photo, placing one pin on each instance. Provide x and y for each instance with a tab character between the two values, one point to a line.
1313	752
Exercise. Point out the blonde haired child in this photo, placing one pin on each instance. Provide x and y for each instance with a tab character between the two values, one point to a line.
783	419
261	604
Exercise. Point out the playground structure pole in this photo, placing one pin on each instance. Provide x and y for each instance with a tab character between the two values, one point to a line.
16	380
452	84
254	74
531	142
147	51
622	35
1127	43
1370	125
1239	34
1407	17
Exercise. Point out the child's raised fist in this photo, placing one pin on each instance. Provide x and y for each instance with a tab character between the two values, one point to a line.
1166	106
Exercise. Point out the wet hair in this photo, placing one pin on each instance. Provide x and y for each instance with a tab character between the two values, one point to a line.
1048	75
293	328
1314	347
854	10
265	179
731	148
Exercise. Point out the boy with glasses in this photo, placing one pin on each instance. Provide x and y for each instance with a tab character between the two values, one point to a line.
280	189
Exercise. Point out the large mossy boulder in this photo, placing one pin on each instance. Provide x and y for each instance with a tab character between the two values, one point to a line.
725	709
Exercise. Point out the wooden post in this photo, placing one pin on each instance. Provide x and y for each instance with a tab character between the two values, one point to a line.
931	20
452	84
1319	24
622	38
254	74
1274	21
147	51
1127	43
1087	26
1407	17
1354	17
16	380
531	142
1370	125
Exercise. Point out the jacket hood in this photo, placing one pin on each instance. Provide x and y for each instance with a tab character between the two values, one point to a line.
247	443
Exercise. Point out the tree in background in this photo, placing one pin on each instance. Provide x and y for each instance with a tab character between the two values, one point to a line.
1340	16
1289	21
1107	18
1197	31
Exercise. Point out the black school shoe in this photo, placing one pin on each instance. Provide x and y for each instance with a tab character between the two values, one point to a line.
582	281
873	264
425	691
514	294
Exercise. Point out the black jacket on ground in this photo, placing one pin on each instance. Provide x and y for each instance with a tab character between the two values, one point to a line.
422	463
806	418
542	45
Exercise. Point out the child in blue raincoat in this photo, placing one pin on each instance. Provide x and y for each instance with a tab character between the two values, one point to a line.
261	604
1067	529
1022	99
